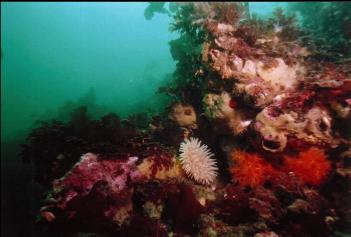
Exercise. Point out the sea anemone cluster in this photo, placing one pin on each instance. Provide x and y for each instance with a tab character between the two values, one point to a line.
255	140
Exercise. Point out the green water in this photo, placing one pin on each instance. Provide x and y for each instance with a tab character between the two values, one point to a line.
55	53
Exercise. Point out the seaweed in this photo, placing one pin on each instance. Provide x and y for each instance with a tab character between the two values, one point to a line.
55	146
329	27
153	8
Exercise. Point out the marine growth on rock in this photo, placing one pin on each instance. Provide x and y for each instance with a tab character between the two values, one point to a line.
255	140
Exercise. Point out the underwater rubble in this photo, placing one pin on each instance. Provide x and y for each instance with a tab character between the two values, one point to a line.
256	141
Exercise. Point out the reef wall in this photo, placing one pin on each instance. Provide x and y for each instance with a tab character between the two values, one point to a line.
256	141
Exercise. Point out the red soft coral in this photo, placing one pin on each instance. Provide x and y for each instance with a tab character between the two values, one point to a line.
250	169
311	166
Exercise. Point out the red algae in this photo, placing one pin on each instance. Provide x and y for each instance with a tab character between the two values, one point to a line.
159	162
143	226
235	206
266	204
184	209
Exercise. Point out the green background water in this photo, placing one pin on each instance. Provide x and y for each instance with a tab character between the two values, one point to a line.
56	52
57	55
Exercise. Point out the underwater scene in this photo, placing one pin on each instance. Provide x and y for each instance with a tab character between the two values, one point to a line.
176	119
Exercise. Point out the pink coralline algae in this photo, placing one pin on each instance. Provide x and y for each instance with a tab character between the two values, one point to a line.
94	189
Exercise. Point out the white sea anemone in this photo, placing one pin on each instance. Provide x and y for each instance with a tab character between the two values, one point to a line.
197	162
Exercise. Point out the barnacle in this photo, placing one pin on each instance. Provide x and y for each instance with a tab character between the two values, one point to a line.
184	115
272	129
217	106
314	127
224	107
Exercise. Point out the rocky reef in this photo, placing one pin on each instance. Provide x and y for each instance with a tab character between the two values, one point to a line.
256	141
